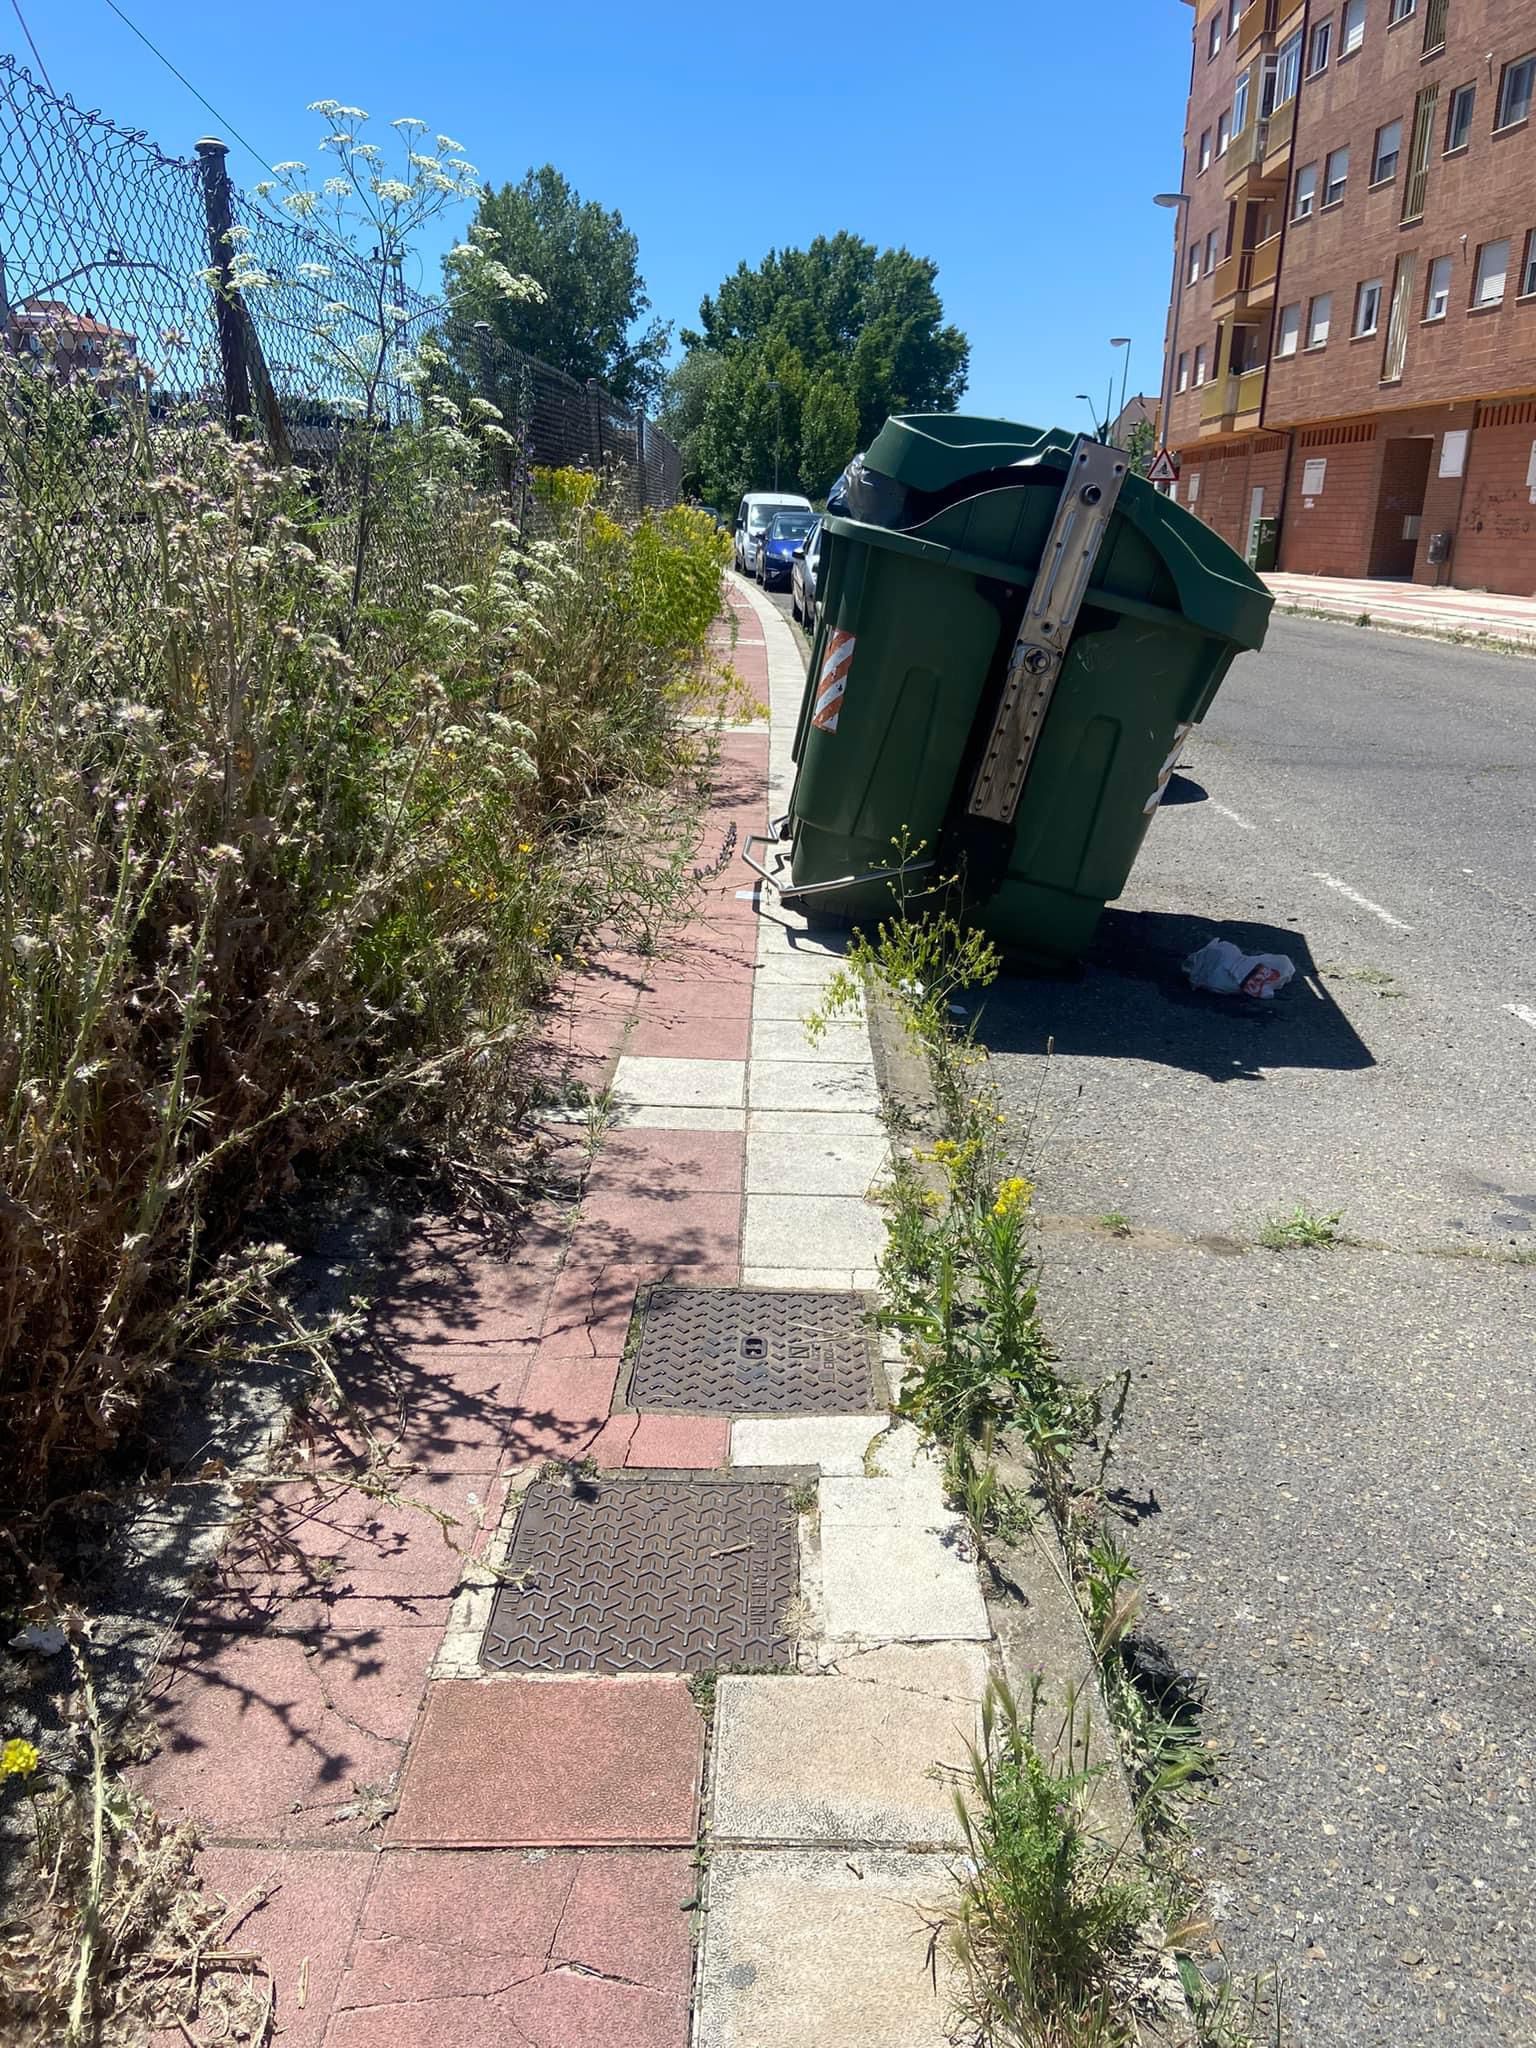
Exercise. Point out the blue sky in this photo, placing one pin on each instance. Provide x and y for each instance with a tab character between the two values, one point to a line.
1016	143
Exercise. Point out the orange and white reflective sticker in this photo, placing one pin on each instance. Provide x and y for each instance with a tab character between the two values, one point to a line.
833	680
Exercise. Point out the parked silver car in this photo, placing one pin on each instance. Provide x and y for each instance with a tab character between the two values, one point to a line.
802	578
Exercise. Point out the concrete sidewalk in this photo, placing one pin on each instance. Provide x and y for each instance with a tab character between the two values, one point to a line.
496	1789
1416	607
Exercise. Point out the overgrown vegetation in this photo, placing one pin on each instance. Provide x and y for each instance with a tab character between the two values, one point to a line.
279	869
1046	1922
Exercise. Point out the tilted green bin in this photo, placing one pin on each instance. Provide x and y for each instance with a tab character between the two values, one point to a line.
972	709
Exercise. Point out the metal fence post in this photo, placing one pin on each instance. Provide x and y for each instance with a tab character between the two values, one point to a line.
485	357
642	495
595	412
213	160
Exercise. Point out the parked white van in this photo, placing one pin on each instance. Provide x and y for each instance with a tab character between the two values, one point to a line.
754	514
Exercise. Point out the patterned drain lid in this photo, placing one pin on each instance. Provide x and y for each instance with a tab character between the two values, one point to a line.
645	1575
754	1351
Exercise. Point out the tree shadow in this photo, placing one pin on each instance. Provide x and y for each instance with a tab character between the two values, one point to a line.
1130	1000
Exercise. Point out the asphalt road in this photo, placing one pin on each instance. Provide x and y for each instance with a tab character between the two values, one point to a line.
1328	1454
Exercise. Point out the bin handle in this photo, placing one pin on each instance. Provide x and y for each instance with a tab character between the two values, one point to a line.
786	895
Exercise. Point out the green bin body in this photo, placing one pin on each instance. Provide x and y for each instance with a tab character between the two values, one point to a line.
933	610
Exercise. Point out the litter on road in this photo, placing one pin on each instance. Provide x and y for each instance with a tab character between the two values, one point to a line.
1226	970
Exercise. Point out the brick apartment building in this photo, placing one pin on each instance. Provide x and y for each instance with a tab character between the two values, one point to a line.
1353	330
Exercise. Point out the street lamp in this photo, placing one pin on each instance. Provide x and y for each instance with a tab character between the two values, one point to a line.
1176	200
1122	341
1091	413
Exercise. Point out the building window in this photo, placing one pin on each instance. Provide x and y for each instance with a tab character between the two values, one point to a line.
1213	40
1205	149
1458	122
1517	82
1184	369
1240	105
1200	364
1306	192
1318	50
1335	176
1368	306
1288	329
1192	275
1528	267
1234	16
1389	143
1437	296
1399	10
1288	69
1492	270
1395	354
1351	27
1319	313
1435	15
1212	251
1223	131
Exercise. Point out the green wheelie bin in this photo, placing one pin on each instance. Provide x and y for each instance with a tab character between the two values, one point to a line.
1003	673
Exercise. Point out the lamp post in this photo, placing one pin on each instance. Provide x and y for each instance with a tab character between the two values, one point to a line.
1176	200
1091	413
1123	341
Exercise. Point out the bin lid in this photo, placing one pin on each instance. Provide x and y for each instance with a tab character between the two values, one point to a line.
1217	591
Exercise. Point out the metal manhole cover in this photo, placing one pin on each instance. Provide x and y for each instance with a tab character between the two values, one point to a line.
754	1351
645	1575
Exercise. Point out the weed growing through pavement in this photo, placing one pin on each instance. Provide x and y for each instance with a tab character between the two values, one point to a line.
957	1277
1304	1230
1116	1222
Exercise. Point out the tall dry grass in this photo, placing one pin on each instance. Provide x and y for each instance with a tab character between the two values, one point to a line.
276	869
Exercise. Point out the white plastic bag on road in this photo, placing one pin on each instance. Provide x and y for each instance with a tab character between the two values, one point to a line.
1226	970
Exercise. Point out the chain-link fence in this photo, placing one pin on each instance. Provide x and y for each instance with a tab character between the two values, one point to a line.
114	254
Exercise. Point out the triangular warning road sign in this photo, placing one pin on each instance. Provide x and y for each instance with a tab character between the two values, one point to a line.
1165	467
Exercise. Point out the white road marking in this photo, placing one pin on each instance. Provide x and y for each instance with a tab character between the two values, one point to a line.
1365	903
1243	824
1524	1012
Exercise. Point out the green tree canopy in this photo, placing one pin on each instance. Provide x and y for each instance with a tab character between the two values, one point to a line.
588	265
806	357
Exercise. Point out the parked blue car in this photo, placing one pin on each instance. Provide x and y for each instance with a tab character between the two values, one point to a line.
776	544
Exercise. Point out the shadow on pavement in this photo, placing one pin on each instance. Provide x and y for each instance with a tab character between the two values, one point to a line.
1130	1001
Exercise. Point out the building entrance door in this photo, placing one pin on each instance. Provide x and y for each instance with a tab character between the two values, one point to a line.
1400	505
1255	519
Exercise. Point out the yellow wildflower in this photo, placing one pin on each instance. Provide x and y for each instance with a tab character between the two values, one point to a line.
1012	1194
525	846
18	1759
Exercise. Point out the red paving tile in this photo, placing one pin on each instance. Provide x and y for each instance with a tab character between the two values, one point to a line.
611	1444
558	2010
626	1917
319	1551
296	1909
693	1162
658	1229
681	1442
679	1035
589	1314
563	1406
669	999
552	1762
272	1735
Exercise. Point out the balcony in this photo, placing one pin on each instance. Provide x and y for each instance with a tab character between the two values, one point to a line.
1280	127
1231	401
1256	21
1244	171
1260	283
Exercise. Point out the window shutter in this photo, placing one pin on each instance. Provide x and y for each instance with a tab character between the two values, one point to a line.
1417	182
1396	353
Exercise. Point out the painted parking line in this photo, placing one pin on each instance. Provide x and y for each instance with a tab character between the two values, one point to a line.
1235	817
1524	1012
1364	902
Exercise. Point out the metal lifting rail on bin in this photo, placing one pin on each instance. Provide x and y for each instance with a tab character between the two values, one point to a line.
1014	637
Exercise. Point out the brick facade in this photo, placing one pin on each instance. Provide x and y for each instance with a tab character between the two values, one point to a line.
1375	405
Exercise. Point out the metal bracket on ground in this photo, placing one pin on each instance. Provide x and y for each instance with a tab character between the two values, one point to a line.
1083	512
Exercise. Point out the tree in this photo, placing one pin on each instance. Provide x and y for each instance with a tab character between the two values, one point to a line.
588	264
1141	446
812	351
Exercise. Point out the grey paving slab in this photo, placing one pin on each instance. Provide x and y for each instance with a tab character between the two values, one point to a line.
788	1002
834	1444
894	1568
816	1948
791	1123
672	1084
681	1117
801	966
786	1038
809	1160
843	1230
801	1085
838	1277
865	1760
